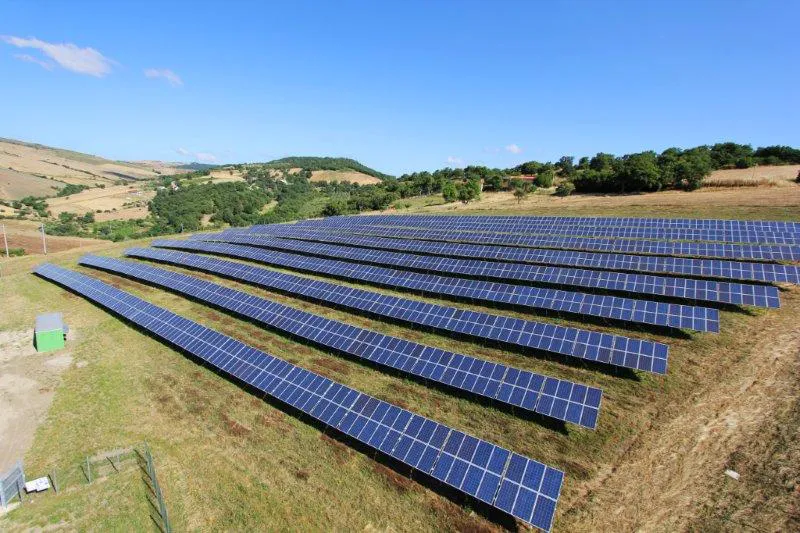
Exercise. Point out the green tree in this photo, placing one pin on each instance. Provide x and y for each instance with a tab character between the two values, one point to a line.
449	191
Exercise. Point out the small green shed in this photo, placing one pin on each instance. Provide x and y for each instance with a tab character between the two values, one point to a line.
50	332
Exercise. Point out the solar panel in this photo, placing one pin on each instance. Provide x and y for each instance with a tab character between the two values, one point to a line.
578	230
522	487
536	393
702	224
571	342
702	268
696	290
668	315
753	252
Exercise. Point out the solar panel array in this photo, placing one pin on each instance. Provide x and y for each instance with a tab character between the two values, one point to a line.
678	234
547	396
639	284
520	486
704	224
576	343
611	307
700	268
753	252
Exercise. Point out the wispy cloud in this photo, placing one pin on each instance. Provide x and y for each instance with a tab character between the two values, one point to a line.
453	160
203	157
206	157
513	148
68	56
30	59
172	78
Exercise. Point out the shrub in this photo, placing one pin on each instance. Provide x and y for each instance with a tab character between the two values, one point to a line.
565	188
16	252
545	179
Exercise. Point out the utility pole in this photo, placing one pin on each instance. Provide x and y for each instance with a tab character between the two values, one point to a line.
5	240
44	241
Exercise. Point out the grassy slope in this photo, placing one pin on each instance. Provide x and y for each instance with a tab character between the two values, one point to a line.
229	461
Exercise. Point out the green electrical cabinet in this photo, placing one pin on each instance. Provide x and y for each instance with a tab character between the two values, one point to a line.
50	332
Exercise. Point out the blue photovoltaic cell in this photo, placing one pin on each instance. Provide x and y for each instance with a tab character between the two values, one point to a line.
687	223
612	307
358	250
572	342
565	229
412	439
753	252
700	268
532	392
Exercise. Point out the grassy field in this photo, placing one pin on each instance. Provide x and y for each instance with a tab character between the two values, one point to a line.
229	461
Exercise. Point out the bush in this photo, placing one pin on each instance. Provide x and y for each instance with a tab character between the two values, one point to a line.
545	179
449	192
565	188
797	179
16	252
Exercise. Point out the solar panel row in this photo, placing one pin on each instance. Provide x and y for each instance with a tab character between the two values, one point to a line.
520	486
571	342
547	396
648	247
711	224
612	307
640	284
673	234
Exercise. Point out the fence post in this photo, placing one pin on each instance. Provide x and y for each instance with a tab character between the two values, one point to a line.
88	470
54	480
5	240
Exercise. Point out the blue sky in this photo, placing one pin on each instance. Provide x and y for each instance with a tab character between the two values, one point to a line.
400	86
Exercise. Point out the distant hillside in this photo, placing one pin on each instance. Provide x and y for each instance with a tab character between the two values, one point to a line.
31	169
325	163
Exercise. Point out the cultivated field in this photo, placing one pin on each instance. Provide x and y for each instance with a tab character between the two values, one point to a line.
16	185
117	199
227	460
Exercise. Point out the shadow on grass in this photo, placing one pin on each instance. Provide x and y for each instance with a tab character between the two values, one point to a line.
547	422
616	371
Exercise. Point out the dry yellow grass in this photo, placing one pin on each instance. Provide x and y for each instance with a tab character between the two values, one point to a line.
74	167
344	175
16	185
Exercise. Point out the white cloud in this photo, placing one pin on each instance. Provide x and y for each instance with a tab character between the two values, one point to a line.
172	78
206	157
514	149
203	157
30	59
67	55
453	160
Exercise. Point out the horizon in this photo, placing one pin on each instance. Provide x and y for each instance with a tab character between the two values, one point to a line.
417	87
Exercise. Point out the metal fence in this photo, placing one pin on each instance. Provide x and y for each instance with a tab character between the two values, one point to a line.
12	483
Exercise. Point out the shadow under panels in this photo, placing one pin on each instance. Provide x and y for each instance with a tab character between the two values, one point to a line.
547	396
573	344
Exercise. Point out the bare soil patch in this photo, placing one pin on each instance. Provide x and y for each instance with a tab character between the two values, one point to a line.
27	385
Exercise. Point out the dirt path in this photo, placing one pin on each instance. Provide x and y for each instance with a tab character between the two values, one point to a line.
27	385
666	481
